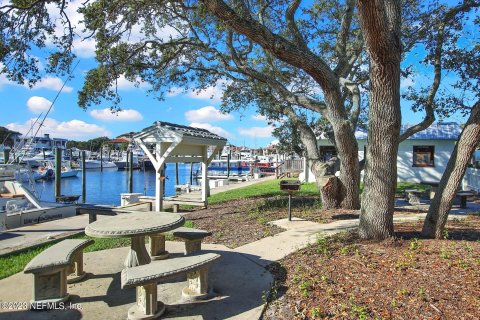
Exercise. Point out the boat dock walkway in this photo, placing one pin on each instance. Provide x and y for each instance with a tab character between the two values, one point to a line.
19	239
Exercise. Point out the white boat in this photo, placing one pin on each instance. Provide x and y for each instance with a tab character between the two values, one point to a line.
23	174
19	206
70	173
95	164
123	162
66	171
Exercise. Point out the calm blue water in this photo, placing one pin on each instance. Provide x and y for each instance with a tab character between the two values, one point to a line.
105	187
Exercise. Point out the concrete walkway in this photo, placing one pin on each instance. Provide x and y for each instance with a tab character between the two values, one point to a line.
238	282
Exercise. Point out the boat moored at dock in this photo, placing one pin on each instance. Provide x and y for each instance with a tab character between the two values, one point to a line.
20	206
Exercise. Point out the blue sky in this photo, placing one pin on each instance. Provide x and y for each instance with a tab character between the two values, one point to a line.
21	104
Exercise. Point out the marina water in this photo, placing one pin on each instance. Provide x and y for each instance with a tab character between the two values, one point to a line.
104	187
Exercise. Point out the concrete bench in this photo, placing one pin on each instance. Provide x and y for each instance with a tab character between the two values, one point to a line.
53	268
146	277
192	237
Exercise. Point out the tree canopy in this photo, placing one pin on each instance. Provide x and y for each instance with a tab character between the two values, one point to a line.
308	66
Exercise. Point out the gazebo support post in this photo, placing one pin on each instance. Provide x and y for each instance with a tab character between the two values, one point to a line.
205	188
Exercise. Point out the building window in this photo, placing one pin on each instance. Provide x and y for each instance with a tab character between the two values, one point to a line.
423	156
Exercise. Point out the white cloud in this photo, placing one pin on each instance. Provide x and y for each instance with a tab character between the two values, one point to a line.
256	132
217	130
175	91
73	129
4	80
211	93
51	83
407	82
38	104
124	84
122	115
84	48
259	117
207	114
47	82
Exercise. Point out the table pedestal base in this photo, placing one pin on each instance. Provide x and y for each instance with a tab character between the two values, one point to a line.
157	247
138	254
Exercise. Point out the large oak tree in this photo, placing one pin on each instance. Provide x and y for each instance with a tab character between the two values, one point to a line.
284	57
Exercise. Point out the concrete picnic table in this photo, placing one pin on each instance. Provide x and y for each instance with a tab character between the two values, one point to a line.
135	225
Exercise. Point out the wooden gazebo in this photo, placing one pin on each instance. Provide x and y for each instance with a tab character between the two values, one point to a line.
175	143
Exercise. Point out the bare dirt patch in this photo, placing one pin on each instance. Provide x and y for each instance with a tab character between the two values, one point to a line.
409	278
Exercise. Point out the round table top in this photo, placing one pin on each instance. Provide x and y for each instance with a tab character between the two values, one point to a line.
134	224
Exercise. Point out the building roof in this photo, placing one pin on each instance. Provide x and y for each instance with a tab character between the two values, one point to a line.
119	140
437	131
185	130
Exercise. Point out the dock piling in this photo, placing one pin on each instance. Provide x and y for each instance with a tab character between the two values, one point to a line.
176	173
101	158
84	173
130	172
58	172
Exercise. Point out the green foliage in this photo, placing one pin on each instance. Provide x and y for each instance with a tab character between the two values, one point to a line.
408	262
445	253
323	245
92	144
361	312
305	287
414	244
422	294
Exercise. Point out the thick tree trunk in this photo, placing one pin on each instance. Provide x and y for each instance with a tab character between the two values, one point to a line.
452	177
380	22
347	148
345	194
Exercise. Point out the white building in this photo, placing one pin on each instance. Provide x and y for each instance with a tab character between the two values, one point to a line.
38	144
421	158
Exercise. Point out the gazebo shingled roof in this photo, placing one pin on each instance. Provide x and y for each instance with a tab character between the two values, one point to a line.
189	131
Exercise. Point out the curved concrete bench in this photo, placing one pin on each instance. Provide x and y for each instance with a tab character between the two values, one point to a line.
146	277
53	268
192	237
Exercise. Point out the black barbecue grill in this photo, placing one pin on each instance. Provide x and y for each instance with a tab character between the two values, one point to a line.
290	186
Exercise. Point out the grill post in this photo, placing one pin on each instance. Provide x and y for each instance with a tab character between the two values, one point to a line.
290	186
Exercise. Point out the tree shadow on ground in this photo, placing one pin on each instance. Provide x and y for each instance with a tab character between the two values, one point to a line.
345	216
465	234
282	203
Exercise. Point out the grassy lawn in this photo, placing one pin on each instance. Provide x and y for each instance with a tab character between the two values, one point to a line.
401	186
268	188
